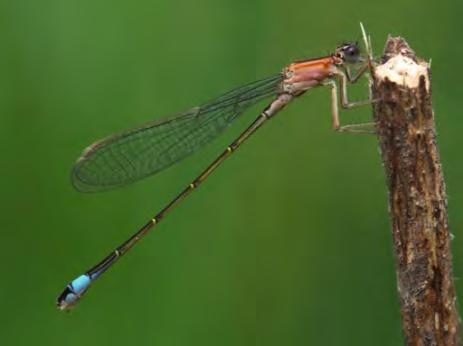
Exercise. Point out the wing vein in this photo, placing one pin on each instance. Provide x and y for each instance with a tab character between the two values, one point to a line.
131	155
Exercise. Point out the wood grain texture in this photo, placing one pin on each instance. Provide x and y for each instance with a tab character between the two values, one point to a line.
417	199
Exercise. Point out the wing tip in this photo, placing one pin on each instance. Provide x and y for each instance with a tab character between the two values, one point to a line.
86	184
79	180
78	183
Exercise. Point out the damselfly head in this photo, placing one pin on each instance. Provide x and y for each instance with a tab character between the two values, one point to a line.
349	53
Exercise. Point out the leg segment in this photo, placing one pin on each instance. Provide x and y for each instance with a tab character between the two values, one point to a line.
345	103
354	79
364	128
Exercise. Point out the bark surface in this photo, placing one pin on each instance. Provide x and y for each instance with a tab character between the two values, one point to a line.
417	200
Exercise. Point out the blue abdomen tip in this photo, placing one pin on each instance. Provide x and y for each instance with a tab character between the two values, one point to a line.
80	284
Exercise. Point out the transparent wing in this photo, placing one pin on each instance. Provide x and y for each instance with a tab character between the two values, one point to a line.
131	155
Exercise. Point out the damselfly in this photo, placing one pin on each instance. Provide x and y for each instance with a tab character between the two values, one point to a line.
131	155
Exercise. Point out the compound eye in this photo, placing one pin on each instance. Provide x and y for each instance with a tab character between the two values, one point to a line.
352	51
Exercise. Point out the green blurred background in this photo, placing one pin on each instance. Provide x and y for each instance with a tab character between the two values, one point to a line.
287	244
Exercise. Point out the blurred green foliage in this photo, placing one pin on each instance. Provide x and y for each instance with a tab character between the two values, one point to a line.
287	244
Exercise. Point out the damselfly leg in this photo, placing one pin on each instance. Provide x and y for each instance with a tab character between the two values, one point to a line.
345	78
